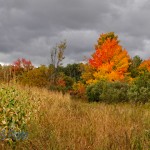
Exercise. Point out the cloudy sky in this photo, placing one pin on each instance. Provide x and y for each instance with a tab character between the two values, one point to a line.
30	28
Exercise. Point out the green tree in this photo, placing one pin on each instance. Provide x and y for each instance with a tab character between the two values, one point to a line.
73	71
134	65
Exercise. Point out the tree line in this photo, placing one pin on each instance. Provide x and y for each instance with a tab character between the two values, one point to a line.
109	71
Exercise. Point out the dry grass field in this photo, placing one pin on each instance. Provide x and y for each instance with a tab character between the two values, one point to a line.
60	123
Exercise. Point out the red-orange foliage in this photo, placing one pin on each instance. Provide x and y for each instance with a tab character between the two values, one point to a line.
78	90
110	60
61	82
22	65
145	65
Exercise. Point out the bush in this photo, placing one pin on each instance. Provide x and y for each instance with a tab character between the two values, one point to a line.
139	91
115	92
94	91
69	82
78	91
109	92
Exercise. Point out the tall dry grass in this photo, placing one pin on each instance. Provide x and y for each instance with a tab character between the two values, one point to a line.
60	123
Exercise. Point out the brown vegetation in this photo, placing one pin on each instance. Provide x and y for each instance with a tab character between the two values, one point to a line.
61	123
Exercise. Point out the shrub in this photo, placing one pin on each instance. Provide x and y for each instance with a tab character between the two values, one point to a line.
139	91
78	91
109	92
69	82
94	91
115	92
36	77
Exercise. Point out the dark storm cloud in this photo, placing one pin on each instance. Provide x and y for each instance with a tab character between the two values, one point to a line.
30	28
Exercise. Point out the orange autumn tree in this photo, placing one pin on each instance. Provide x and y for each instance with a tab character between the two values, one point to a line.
110	60
145	65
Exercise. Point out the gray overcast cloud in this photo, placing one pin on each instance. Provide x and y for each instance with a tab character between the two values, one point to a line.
30	28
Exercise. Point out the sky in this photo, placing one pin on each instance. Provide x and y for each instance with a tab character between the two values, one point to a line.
31	28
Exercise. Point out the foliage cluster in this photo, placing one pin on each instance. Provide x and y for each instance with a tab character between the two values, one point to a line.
15	111
113	92
108	92
78	90
139	91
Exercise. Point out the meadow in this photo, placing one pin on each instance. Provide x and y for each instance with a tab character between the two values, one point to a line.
61	123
